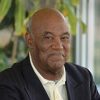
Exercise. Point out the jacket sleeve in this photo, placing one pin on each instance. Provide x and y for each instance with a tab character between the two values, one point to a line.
94	92
8	86
7	92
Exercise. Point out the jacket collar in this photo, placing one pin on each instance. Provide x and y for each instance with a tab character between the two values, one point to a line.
34	87
74	81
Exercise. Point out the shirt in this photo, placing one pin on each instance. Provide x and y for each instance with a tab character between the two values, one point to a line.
55	90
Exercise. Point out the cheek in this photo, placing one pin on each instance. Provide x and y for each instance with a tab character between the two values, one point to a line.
67	49
44	47
40	45
43	57
43	51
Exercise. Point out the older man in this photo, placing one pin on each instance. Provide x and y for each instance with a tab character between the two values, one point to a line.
45	74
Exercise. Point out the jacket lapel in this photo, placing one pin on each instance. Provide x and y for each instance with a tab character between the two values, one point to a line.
73	83
33	86
70	89
36	91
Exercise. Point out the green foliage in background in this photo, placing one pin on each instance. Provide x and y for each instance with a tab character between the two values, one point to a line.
22	9
15	13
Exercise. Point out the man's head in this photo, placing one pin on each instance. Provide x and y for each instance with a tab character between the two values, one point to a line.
48	39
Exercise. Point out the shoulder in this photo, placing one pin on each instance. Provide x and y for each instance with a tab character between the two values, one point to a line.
12	75
15	70
81	76
78	72
76	68
12	82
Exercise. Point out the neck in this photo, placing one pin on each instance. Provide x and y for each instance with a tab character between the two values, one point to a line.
51	75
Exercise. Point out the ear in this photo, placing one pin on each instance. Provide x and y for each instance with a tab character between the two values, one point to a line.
28	39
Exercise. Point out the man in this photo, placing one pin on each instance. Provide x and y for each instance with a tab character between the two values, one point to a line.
45	74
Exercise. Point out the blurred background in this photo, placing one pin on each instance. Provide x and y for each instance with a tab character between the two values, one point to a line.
83	16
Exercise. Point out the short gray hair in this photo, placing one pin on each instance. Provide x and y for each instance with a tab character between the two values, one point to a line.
29	25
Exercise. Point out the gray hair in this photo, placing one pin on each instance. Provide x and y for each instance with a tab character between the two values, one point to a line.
29	25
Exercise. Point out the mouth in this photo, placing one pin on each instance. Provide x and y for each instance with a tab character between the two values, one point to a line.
56	56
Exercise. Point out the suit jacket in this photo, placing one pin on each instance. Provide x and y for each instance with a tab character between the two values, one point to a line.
21	83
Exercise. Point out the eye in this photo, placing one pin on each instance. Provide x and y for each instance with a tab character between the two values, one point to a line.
48	37
65	37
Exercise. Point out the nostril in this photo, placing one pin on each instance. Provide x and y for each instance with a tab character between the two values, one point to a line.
57	45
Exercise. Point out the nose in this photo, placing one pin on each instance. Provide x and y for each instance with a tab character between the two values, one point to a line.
57	44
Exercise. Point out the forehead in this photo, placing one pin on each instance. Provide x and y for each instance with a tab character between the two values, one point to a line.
49	20
50	25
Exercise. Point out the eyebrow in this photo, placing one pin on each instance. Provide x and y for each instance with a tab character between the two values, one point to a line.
66	33
47	32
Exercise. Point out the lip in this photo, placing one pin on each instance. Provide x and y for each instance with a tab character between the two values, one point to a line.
56	56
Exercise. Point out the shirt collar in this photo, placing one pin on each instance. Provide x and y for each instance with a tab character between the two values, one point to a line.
45	81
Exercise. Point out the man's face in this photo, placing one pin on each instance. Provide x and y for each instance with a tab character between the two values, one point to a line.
51	44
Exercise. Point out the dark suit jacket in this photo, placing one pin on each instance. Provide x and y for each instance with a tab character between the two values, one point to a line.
21	83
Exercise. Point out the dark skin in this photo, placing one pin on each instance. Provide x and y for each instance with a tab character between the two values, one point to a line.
49	43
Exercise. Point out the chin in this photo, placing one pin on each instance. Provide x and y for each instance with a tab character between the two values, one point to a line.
56	65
